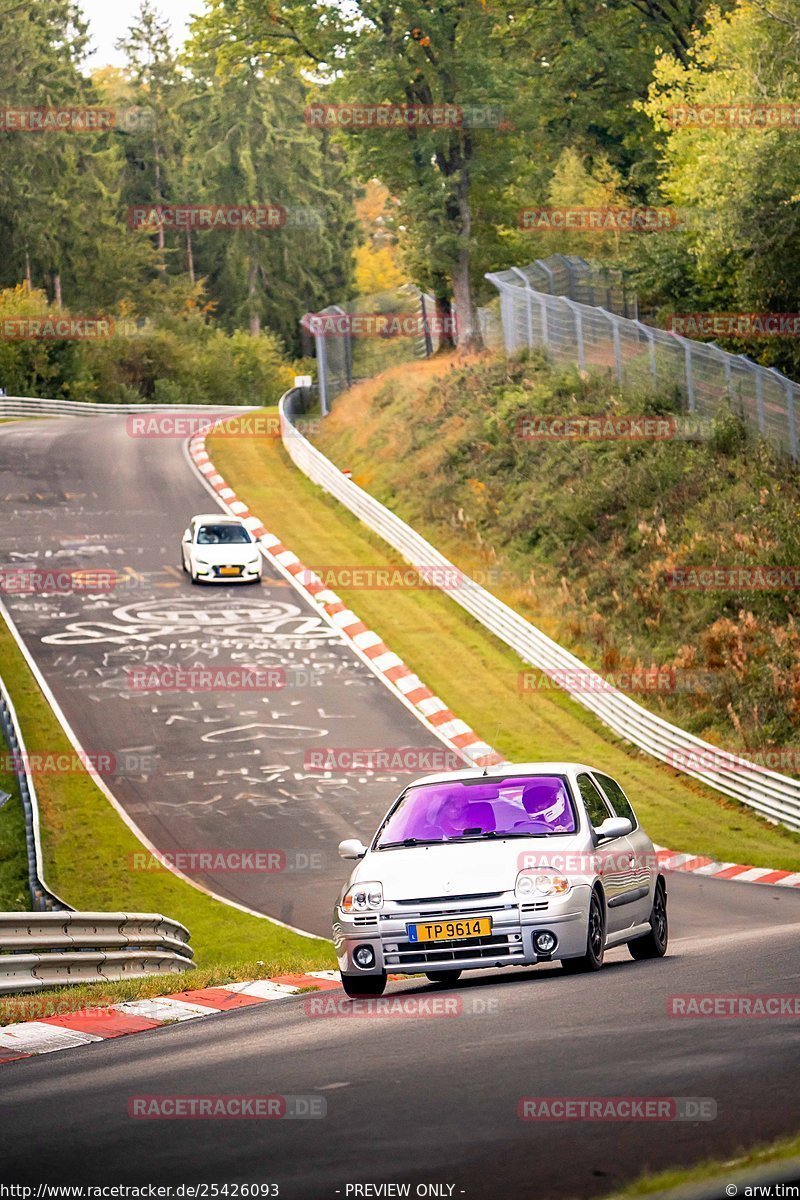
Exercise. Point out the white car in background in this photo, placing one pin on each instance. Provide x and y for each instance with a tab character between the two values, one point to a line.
220	549
511	866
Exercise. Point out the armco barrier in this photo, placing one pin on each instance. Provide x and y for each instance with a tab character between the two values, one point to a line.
29	406
41	950
775	796
42	899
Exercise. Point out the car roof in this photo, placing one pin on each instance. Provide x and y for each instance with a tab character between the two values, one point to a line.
217	519
501	770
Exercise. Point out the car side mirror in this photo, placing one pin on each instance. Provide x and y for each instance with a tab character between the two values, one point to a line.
187	536
352	848
614	827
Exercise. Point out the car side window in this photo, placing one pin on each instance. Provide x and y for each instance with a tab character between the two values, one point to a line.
619	801
595	804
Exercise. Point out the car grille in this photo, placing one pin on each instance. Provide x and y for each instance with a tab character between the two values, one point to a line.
439	953
364	920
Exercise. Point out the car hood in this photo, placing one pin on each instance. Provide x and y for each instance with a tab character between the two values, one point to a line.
235	554
457	870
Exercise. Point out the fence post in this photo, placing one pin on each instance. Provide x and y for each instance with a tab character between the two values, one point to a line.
651	346
425	327
617	346
576	312
687	359
760	399
791	417
322	371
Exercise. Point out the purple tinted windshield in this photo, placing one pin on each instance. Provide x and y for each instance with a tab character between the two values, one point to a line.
533	805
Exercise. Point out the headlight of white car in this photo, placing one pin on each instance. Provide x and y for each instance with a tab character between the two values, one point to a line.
537	883
363	897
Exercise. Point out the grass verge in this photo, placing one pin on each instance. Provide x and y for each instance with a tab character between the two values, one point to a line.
14	893
86	848
761	1156
477	676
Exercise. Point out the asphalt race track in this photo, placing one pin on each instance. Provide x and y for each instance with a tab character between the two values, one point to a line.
207	771
409	1099
434	1099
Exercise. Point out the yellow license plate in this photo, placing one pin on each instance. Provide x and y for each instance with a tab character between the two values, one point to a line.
450	930
230	570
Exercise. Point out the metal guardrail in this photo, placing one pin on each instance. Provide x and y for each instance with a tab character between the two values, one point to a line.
41	950
53	945
774	796
42	898
31	406
642	356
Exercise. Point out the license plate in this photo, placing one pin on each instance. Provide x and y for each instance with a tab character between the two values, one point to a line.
451	930
230	570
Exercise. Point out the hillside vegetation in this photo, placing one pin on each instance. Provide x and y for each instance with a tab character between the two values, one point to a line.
582	535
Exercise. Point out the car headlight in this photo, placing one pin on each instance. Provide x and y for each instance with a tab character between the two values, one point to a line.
199	562
537	883
363	897
254	562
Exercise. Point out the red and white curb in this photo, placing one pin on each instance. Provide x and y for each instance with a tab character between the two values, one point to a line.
66	1030
698	864
410	688
370	646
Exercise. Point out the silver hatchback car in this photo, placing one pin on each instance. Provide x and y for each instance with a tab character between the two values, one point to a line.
508	866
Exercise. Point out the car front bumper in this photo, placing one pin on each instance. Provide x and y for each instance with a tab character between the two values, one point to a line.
209	575
509	944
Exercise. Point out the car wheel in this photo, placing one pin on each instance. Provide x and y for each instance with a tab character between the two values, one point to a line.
364	985
654	943
443	976
592	960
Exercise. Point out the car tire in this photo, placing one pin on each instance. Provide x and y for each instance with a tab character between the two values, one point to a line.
443	976
654	943
364	985
592	959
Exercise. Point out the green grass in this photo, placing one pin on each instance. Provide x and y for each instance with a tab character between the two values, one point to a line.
14	893
477	676
33	1006
87	849
730	1170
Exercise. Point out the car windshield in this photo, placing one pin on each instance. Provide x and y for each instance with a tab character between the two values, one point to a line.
221	535
528	806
